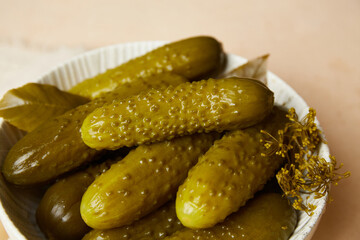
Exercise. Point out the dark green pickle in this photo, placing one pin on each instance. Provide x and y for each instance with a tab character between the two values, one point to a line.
157	225
266	217
56	147
193	58
58	214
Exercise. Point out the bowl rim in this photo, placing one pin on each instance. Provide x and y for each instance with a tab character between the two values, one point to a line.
309	228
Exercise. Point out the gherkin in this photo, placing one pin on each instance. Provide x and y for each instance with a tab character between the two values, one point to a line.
56	147
157	225
192	58
58	214
229	174
266	217
157	115
143	181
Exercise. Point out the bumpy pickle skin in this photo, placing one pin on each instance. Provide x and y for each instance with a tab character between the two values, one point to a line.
192	58
58	214
157	225
56	147
227	175
157	115
266	217
143	181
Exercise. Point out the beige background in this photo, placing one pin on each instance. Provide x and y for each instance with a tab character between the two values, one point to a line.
314	46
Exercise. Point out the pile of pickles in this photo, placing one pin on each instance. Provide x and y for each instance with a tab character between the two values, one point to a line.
151	150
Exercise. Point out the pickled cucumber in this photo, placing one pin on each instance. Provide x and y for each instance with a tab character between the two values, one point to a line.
56	147
143	181
204	106
192	58
157	225
58	214
266	217
229	174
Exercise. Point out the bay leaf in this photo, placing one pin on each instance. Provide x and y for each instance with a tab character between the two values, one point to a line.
255	68
31	105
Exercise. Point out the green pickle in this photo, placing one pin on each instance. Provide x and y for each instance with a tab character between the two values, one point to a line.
266	217
143	181
56	147
58	214
157	115
192	58
227	175
157	225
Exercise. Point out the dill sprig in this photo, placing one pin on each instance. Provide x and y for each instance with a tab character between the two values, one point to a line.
304	172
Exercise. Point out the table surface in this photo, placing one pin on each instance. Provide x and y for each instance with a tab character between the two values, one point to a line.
314	46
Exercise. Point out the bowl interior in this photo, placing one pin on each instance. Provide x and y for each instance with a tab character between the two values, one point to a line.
18	206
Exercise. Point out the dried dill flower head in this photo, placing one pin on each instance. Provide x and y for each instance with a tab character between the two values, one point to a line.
304	171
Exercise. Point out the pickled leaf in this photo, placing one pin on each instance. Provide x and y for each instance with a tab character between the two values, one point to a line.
255	68
31	105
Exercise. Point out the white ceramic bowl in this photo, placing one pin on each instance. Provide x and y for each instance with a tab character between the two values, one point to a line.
18	206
